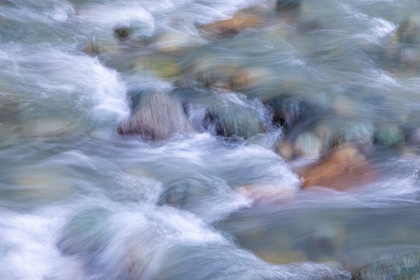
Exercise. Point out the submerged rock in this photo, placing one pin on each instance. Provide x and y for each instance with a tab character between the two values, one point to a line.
49	127
289	109
399	266
233	119
158	116
42	185
285	149
390	135
169	42
408	32
353	131
123	33
282	257
86	232
308	144
288	5
162	68
232	26
342	168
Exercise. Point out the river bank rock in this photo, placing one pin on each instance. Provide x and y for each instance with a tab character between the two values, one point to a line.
158	116
391	267
229	27
342	169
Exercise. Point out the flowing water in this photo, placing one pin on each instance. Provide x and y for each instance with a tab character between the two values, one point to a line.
80	201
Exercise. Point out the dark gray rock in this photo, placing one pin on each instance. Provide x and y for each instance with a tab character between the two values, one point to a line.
123	33
289	109
288	5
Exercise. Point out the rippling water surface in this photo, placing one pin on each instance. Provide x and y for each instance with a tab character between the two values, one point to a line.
80	201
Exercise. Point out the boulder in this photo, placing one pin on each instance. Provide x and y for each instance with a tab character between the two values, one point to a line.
158	116
399	266
342	169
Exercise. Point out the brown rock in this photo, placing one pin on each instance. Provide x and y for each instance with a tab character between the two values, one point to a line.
342	169
282	257
233	26
266	193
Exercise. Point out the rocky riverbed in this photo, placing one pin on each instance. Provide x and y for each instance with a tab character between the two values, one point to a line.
188	139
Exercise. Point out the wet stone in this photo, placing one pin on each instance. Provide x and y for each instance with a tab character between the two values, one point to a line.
399	266
289	109
165	69
233	119
282	257
232	26
158	116
408	32
308	144
40	185
389	135
353	131
123	33
285	149
342	169
288	5
85	233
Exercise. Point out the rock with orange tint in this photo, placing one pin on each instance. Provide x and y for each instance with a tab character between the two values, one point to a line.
266	193
342	169
232	26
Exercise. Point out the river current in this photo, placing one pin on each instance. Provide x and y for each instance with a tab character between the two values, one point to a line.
80	201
